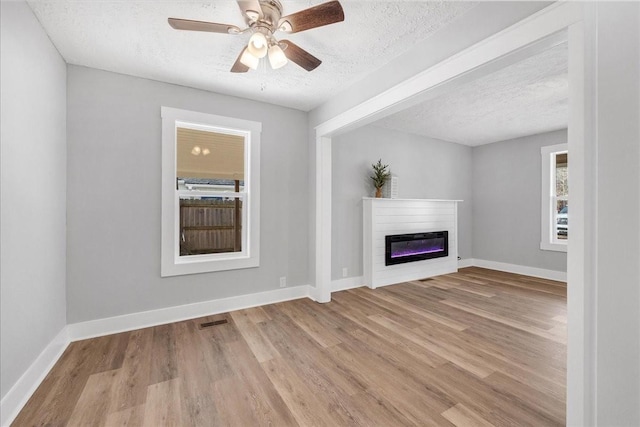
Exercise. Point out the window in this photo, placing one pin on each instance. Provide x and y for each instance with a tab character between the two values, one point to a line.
210	193
555	198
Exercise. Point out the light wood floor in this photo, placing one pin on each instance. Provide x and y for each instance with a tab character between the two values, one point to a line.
475	348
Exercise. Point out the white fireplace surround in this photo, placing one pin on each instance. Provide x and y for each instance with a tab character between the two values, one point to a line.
383	217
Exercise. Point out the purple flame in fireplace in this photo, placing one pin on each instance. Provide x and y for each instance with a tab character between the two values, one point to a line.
416	247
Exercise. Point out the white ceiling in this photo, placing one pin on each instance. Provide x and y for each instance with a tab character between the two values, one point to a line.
526	98
133	37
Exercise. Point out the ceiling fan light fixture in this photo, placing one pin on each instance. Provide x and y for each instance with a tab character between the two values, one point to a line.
258	45
263	18
277	58
249	60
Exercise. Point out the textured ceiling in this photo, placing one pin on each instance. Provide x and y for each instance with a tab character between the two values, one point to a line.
133	37
525	98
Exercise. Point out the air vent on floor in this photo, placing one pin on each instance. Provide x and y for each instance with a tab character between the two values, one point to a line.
214	323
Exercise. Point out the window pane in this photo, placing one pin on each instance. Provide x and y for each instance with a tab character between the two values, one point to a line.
213	162
562	219
210	225
555	195
562	196
210	160
562	182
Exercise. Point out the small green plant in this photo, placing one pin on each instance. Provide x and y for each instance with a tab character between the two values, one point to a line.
380	175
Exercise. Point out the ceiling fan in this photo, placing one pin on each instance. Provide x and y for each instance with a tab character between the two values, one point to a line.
264	18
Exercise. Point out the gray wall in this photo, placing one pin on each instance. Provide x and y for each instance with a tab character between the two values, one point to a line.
114	142
506	202
426	169
33	153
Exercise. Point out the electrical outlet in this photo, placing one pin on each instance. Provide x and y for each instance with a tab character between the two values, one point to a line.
345	272
283	282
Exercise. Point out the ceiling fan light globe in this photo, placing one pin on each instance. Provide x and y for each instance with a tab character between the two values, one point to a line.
277	58
249	60
258	45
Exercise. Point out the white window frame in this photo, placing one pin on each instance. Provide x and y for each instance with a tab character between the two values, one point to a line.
172	264
548	239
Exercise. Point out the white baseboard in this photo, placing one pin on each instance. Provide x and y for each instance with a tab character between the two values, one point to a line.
313	294
542	273
347	283
15	399
145	319
468	262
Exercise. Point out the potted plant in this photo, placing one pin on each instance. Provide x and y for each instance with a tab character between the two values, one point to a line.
380	175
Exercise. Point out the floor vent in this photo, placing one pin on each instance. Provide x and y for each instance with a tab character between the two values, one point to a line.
214	323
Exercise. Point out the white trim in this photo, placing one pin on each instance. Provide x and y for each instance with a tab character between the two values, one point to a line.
15	399
323	220
171	263
467	262
145	319
542	273
312	293
583	248
347	283
390	200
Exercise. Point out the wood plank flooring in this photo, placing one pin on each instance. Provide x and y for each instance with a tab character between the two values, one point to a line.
474	348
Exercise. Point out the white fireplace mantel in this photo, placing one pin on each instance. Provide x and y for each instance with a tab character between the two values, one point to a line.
382	217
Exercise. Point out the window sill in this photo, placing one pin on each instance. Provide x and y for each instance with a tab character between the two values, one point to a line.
209	265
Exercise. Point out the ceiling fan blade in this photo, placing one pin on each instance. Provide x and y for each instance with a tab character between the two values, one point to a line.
300	56
317	16
239	67
211	27
251	10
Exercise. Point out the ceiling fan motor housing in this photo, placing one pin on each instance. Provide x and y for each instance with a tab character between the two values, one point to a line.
271	14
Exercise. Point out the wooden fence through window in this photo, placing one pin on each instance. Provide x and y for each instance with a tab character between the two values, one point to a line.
210	226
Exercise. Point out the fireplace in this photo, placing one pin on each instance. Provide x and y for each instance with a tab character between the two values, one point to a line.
401	248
